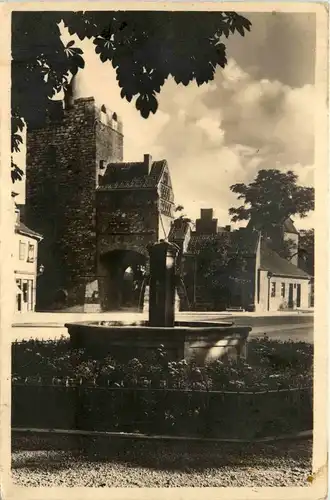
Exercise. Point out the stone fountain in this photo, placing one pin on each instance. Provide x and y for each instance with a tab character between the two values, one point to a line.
190	340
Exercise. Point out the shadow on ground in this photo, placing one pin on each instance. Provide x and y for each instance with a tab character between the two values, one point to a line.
158	455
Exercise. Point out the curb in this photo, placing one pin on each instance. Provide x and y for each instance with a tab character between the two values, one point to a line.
37	325
300	435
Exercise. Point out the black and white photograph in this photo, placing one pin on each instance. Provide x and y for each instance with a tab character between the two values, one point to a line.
166	251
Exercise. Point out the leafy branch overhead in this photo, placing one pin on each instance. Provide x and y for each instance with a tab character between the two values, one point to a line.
144	48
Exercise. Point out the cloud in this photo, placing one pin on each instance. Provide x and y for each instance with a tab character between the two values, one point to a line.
280	46
221	133
224	132
266	115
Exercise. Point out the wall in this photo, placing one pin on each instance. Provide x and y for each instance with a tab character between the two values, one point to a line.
25	270
124	214
278	302
62	172
24	266
126	220
110	140
164	225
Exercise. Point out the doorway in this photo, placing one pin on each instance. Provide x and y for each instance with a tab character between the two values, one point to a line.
123	277
290	297
298	295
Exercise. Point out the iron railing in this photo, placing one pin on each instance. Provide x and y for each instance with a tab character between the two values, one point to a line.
203	413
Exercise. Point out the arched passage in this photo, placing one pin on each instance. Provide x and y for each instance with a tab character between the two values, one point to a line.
121	280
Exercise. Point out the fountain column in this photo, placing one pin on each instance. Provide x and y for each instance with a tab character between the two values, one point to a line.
162	284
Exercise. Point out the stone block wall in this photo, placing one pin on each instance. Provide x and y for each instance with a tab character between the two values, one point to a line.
126	220
127	212
61	176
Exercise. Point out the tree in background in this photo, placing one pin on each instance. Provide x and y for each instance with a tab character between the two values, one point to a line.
271	199
144	48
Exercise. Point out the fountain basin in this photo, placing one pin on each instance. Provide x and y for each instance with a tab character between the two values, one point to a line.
194	341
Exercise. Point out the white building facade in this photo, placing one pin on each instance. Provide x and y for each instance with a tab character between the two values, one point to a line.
25	255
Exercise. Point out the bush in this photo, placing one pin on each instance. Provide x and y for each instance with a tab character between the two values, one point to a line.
270	365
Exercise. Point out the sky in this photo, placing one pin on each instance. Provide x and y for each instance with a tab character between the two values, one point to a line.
257	113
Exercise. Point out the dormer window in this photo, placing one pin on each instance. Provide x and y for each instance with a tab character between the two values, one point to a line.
114	117
103	109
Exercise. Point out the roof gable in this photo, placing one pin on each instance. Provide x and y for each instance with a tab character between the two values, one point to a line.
23	229
134	175
289	226
270	261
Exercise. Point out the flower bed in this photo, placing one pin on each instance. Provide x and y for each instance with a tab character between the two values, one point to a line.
270	365
267	394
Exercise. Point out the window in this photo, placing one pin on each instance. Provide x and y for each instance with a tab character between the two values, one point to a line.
165	178
273	289
31	253
25	291
22	247
283	290
102	164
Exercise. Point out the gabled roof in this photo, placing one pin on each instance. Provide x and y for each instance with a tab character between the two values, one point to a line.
289	227
272	262
244	240
23	229
132	175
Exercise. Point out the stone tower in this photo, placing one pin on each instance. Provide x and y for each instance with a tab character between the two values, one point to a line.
66	158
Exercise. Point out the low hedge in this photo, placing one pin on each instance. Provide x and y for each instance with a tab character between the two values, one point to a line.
162	411
270	365
269	393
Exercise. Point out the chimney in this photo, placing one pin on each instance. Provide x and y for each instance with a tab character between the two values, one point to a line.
148	163
69	94
207	213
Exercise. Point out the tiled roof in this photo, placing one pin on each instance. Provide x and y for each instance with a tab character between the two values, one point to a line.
157	169
139	183
243	239
272	262
132	175
23	229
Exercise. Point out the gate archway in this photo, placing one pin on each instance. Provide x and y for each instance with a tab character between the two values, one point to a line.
122	279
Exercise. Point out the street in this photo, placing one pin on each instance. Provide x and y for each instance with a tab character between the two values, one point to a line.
284	326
